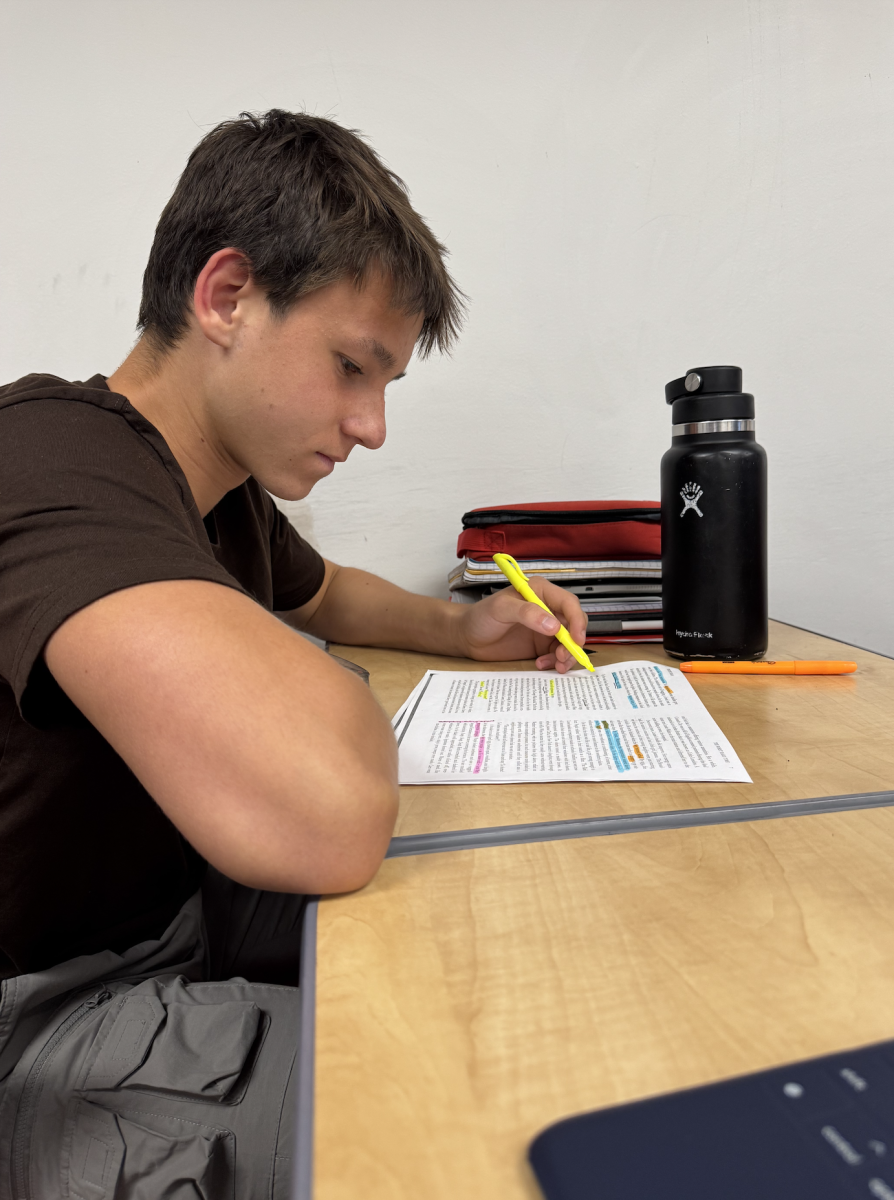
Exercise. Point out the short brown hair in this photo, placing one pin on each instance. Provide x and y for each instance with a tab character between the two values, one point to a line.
308	202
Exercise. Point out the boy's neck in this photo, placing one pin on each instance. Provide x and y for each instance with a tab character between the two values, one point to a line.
167	389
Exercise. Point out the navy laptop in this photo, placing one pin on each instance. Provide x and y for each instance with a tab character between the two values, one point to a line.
817	1130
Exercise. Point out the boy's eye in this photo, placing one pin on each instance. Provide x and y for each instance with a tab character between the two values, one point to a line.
350	368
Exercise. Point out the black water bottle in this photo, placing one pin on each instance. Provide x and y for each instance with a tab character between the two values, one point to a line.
713	520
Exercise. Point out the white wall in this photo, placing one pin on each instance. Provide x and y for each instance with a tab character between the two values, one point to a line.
629	188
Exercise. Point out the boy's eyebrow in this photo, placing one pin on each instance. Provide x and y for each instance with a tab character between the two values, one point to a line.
382	353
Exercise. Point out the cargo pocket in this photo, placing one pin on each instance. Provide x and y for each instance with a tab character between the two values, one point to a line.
190	1051
108	1156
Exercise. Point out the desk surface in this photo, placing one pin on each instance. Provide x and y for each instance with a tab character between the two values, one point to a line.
467	1000
798	738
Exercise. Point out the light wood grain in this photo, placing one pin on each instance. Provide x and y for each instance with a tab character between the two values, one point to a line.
467	1000
798	738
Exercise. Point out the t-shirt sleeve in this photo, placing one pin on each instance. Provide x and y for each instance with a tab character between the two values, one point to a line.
298	569
87	507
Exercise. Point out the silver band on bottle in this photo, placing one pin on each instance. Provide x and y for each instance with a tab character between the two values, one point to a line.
738	426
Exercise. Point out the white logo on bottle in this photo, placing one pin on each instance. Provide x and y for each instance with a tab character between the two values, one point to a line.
691	493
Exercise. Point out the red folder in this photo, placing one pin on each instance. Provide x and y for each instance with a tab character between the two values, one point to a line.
564	529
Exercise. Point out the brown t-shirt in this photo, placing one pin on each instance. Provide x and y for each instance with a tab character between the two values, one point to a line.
92	501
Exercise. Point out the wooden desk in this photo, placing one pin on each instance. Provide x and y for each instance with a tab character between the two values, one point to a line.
798	738
467	1000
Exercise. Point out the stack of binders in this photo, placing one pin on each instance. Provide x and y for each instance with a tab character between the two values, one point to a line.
608	552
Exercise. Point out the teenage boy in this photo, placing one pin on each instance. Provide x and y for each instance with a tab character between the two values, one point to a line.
179	768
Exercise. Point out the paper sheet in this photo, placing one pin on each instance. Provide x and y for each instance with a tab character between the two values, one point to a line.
631	720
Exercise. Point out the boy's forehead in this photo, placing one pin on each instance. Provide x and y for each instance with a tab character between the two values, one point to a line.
372	297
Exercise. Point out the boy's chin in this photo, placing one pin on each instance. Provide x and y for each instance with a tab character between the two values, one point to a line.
291	489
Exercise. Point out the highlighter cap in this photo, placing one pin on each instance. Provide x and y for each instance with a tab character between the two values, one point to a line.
709	394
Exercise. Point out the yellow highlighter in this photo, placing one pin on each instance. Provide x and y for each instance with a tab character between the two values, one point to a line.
519	581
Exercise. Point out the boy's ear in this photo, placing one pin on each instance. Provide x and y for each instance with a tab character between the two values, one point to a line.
224	280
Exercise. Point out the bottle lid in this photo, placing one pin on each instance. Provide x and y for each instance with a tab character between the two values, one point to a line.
704	381
709	394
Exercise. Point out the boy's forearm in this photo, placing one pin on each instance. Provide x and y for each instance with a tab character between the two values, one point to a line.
360	609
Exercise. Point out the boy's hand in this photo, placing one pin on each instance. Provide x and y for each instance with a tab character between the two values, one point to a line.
357	609
506	627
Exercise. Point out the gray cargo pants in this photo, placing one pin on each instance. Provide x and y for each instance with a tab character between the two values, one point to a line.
139	1077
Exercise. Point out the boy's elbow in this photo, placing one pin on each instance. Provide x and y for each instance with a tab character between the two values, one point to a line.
349	839
358	846
322	832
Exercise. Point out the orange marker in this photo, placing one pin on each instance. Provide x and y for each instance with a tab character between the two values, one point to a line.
768	668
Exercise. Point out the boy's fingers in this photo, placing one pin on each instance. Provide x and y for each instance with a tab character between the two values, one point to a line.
533	617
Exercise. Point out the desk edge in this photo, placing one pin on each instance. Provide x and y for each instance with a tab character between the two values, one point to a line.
303	1160
585	827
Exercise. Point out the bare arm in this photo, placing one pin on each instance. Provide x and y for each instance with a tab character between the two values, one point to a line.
360	609
274	762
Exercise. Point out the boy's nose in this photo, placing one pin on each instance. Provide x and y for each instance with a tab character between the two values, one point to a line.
367	427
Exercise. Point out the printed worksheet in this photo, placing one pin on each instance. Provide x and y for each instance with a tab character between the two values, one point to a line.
632	720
